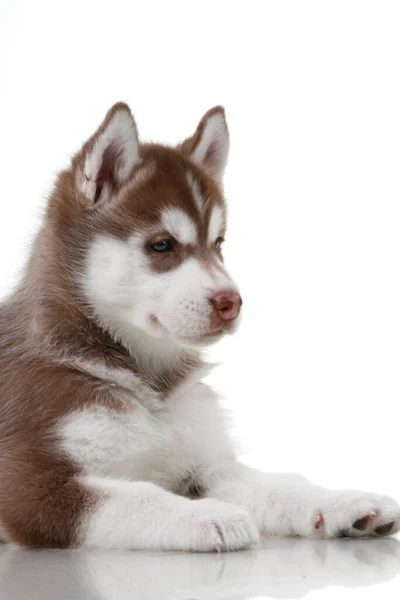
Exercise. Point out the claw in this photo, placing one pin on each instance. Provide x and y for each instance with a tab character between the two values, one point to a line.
318	521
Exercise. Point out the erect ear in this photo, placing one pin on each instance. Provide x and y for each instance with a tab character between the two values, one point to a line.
209	146
106	160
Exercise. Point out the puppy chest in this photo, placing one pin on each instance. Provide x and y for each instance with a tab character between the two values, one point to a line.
134	444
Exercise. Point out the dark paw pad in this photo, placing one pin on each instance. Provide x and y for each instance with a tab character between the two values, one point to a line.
362	524
384	529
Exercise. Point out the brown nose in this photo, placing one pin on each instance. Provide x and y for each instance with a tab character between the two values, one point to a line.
227	304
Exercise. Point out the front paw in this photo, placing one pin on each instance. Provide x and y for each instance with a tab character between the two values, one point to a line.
356	514
212	525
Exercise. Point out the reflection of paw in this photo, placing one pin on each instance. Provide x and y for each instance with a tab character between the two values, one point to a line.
213	525
357	514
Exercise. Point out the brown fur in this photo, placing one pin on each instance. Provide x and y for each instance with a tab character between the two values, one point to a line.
47	320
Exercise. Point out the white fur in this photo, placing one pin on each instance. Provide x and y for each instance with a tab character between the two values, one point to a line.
179	225
136	304
134	460
215	226
200	202
121	134
186	308
127	443
288	504
144	446
215	135
142	515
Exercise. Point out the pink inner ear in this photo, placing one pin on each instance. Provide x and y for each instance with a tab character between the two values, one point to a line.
112	158
211	158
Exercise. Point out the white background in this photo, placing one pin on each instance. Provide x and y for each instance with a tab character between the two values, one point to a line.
311	90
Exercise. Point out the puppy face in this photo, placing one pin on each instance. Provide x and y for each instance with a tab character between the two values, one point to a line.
155	221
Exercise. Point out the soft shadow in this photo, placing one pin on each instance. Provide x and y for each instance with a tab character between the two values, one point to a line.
278	569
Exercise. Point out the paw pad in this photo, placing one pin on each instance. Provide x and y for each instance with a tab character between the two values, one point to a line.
363	523
348	513
384	529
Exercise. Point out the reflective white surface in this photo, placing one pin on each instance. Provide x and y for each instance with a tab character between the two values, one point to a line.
291	568
278	569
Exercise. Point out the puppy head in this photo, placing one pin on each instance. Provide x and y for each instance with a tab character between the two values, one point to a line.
146	224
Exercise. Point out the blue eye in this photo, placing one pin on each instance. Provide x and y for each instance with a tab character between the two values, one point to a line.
162	246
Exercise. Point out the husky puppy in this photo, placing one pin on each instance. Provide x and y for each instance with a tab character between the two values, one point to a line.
108	436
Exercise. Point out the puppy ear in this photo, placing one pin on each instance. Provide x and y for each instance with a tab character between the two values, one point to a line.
209	146
106	160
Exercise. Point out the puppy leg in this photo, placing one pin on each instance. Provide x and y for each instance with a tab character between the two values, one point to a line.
110	513
288	504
